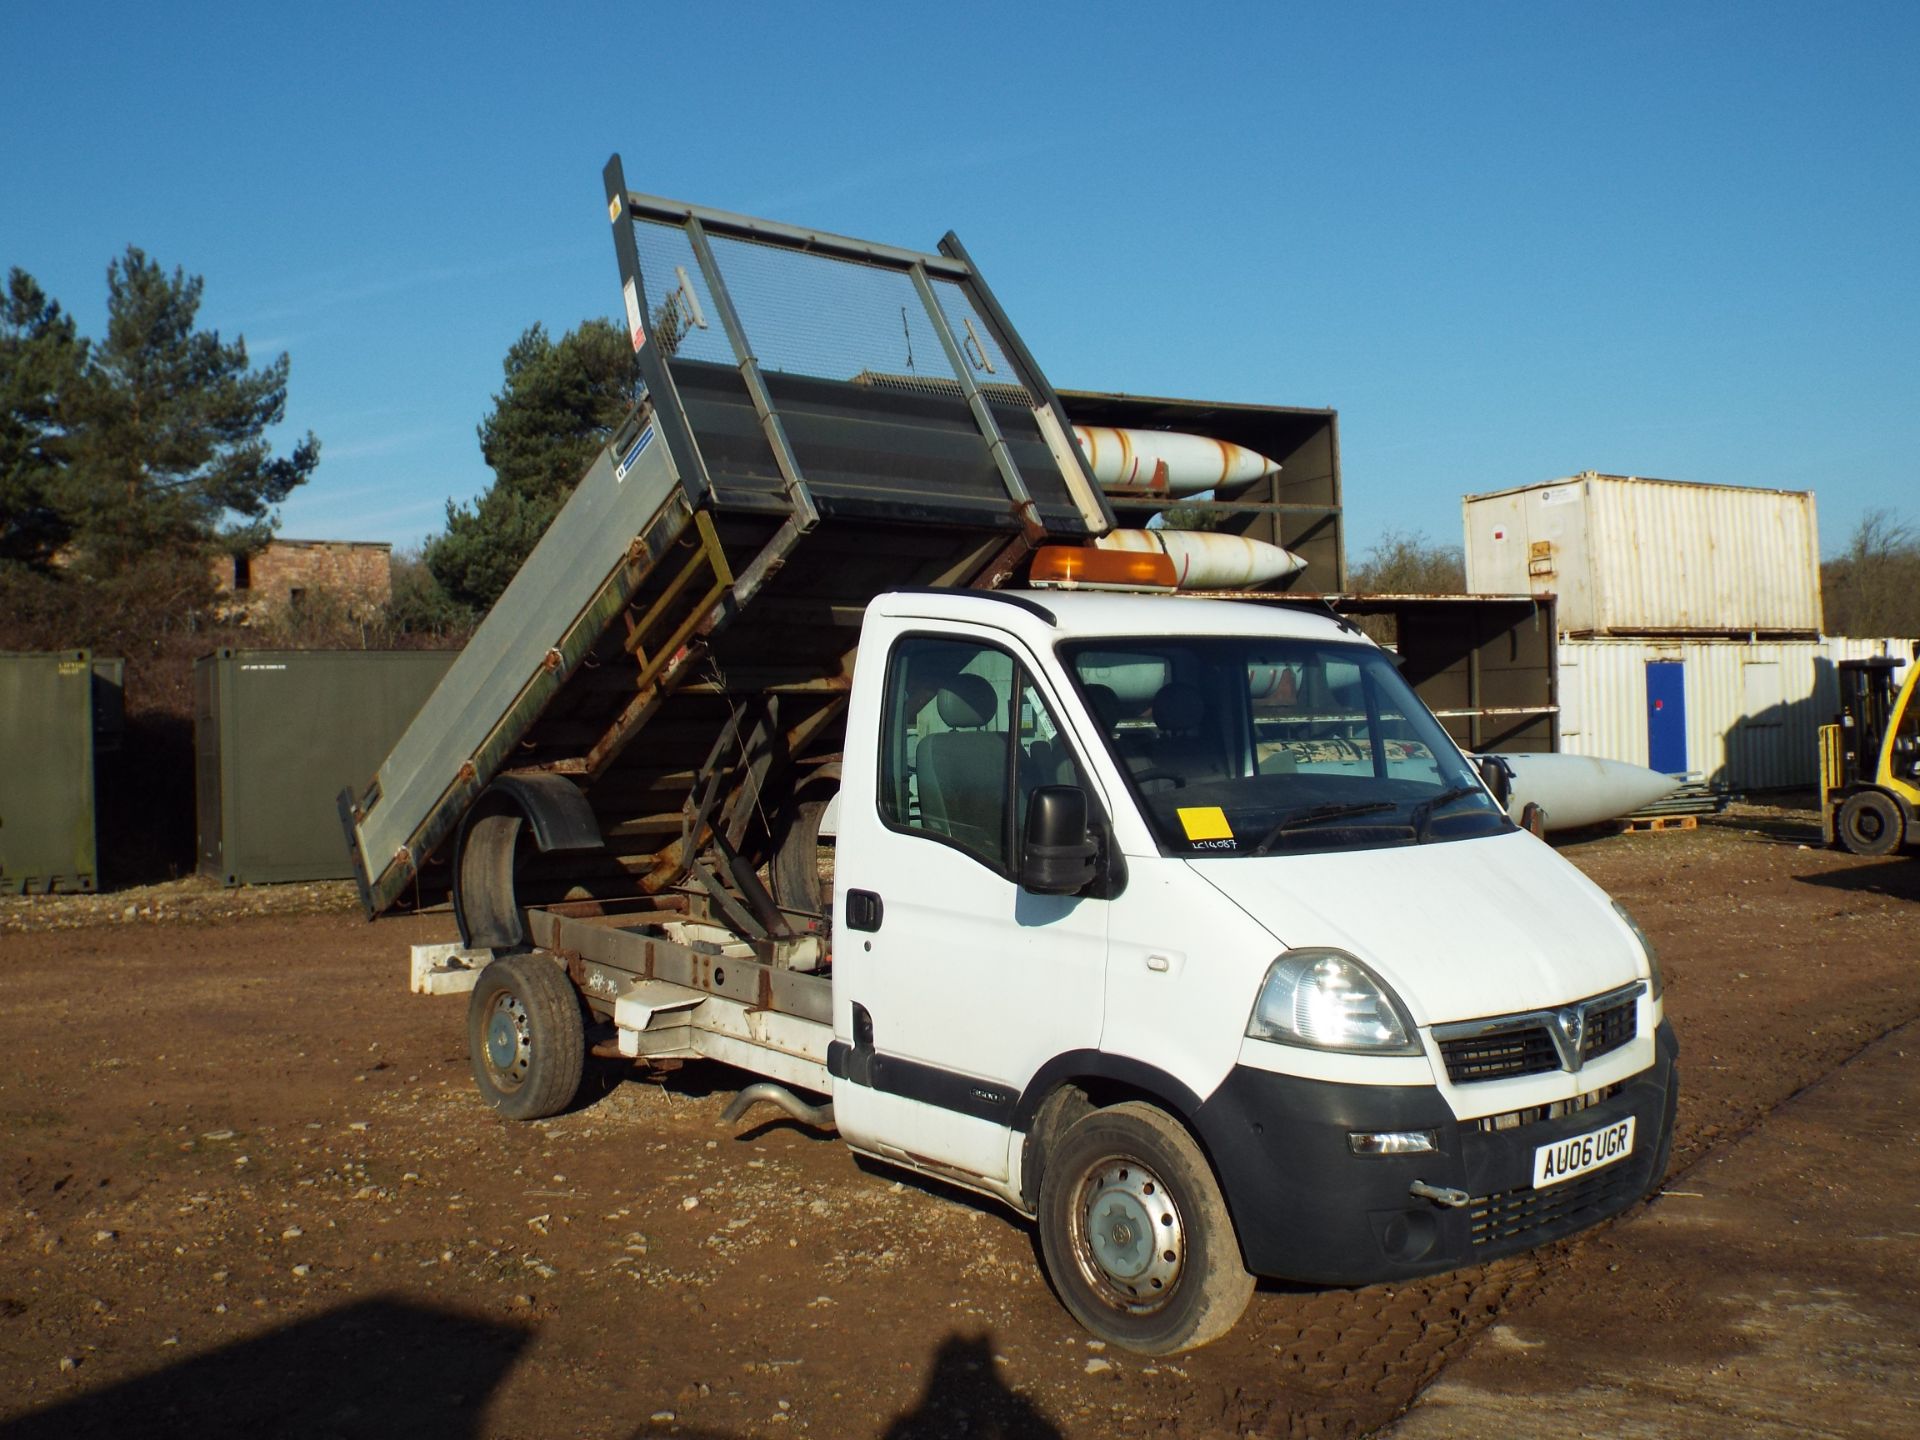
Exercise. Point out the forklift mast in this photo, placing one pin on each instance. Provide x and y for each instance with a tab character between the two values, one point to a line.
1866	708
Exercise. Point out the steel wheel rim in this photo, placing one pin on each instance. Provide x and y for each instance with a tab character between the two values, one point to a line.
1129	1240
508	1041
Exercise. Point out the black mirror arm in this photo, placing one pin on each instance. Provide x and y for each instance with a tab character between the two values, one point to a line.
1498	776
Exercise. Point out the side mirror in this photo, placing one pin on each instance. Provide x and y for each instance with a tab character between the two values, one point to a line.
1498	776
1058	857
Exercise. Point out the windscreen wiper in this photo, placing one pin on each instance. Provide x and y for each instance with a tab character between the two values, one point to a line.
1319	815
1423	812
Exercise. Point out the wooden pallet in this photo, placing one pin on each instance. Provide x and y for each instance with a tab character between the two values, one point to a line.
1664	822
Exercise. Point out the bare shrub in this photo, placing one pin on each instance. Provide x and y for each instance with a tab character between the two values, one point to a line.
1873	586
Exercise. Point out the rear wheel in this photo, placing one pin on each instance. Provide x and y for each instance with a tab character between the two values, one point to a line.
1136	1234
799	875
525	1037
1870	823
493	847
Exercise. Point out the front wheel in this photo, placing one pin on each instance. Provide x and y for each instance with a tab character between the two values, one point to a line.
1136	1234
1870	823
525	1037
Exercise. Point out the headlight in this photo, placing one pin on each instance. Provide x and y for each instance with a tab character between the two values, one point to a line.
1327	1000
1653	959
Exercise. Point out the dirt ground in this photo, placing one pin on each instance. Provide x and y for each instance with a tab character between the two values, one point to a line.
246	1187
1807	1329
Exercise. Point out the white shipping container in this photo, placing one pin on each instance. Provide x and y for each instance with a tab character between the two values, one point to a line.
1741	715
1629	556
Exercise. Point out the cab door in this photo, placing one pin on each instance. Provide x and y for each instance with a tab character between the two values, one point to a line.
952	984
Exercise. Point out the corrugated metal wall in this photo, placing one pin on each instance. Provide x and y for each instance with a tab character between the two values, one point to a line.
1752	709
278	734
1668	556
46	773
1629	556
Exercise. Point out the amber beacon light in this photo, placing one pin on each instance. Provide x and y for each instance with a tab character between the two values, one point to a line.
1067	567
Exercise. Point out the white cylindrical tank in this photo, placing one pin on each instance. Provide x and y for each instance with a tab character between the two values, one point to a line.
1133	681
1167	462
1209	560
1581	790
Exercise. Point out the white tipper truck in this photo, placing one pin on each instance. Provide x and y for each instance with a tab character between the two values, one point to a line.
1178	925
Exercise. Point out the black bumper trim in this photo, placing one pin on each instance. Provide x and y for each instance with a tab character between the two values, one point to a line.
1306	1208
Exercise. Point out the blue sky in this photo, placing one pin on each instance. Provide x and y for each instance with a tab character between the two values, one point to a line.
1508	242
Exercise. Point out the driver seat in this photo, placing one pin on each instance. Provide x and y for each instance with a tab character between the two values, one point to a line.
1183	746
963	769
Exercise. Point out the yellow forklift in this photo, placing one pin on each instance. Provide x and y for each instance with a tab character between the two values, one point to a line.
1870	760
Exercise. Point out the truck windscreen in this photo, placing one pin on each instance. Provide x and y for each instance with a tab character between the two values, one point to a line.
1249	746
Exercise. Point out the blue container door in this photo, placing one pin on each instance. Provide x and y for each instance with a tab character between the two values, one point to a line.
1667	716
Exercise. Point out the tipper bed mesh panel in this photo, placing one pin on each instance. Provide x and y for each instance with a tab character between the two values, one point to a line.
871	397
810	314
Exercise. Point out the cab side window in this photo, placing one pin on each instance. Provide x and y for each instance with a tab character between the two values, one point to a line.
965	739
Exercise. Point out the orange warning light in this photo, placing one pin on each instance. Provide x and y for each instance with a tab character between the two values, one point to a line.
1068	567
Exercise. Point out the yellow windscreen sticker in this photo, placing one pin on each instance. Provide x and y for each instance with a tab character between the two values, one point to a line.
1205	822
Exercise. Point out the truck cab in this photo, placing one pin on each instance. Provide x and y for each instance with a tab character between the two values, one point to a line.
1310	1007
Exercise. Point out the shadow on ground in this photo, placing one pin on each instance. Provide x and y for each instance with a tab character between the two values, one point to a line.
965	1398
1791	827
388	1367
382	1367
1898	877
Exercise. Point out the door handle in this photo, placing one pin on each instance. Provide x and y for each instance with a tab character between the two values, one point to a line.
863	910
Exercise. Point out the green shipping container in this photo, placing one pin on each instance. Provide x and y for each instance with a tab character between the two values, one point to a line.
50	707
278	734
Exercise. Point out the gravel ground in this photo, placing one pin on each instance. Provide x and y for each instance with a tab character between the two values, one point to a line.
196	899
245	1186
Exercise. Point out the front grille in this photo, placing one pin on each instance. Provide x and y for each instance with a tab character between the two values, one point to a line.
1513	1214
1525	1051
1608	1030
1526	1047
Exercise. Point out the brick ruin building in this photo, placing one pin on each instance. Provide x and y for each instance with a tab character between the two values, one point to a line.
293	573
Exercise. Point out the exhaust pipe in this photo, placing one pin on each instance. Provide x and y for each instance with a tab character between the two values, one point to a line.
767	1093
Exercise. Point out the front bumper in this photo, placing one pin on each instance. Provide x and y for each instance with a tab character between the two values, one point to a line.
1307	1208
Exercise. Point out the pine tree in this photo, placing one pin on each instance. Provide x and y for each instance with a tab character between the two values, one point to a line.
560	404
167	430
41	360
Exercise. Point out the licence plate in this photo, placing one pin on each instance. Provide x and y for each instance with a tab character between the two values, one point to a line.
1576	1155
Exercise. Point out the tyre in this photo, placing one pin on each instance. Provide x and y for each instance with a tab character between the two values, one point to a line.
492	846
525	1037
1870	823
797	881
1136	1235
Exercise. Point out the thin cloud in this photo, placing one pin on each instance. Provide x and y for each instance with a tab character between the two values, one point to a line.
331	515
378	445
349	291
